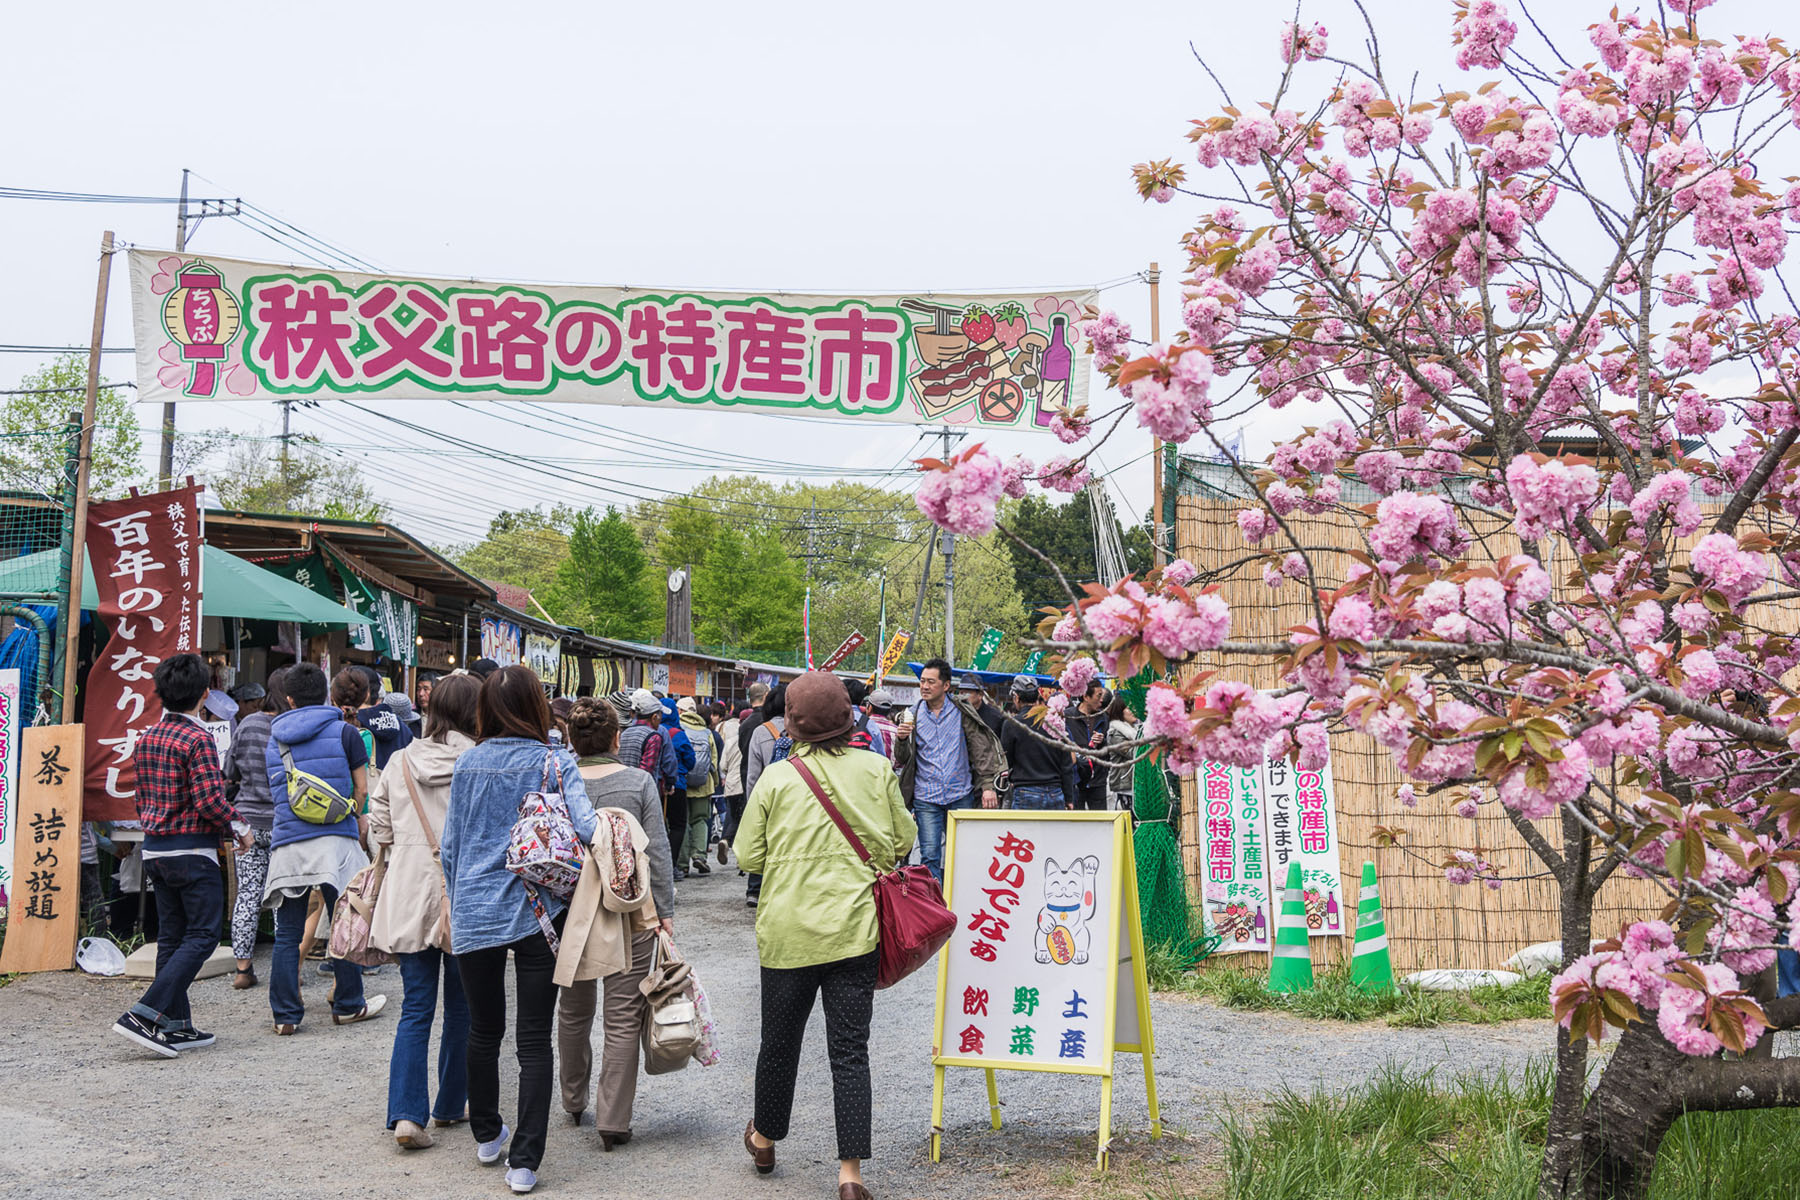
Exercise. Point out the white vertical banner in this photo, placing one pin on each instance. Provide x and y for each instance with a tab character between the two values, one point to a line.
1237	885
9	770
1302	826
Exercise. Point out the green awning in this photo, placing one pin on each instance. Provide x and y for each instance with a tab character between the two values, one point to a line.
230	587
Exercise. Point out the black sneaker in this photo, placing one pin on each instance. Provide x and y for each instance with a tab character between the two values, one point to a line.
189	1039
749	901
134	1028
699	867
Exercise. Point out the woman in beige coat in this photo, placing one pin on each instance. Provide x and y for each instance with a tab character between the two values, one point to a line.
406	815
594	736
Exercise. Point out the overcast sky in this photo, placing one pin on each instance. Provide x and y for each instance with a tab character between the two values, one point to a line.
794	146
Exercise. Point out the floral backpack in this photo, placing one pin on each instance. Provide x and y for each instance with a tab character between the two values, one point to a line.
544	850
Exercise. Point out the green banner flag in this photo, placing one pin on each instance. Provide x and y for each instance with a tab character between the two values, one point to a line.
359	596
984	653
1032	663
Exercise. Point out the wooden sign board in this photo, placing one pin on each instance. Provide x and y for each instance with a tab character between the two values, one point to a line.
1046	969
44	909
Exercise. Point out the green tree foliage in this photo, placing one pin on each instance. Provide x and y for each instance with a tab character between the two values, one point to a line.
1065	533
308	481
748	591
525	548
32	446
601	585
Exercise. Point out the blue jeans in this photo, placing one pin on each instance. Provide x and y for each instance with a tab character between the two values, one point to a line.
1787	967
1041	797
931	831
284	967
190	913
409	1089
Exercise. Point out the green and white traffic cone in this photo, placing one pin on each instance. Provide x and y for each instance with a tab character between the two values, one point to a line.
1290	963
1370	968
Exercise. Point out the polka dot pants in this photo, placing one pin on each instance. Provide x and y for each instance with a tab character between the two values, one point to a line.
848	989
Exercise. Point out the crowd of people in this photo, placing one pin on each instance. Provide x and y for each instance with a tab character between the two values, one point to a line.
323	779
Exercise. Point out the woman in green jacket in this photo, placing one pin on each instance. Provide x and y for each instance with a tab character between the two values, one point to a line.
815	925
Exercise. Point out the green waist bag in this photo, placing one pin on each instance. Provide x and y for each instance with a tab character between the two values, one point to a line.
313	800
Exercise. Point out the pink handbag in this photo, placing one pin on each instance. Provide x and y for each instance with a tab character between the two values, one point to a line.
350	917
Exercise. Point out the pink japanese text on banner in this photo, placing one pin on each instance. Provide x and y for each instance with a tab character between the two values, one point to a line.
228	329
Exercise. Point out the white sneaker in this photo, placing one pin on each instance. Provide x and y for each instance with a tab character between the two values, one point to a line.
521	1180
488	1153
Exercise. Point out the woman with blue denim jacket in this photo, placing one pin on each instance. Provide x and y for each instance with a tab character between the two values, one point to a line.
491	912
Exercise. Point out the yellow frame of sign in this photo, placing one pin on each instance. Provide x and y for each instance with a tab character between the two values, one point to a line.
1125	900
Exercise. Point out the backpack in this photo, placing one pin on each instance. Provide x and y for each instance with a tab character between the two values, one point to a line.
313	799
859	736
544	850
784	745
703	759
650	760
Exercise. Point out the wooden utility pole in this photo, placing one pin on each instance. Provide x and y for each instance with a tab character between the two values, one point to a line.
166	457
84	461
1156	458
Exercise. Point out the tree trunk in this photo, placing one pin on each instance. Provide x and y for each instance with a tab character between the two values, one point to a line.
1646	1087
1563	1158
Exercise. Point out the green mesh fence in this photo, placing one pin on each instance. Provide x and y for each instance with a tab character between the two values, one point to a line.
1168	920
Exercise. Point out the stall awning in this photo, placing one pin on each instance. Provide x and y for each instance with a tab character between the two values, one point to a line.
231	588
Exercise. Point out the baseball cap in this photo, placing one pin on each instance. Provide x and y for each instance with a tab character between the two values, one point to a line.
644	704
685	704
881	700
1024	685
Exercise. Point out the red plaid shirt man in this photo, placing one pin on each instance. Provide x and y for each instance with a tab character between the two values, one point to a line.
180	788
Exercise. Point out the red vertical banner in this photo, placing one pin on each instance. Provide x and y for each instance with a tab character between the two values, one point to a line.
145	552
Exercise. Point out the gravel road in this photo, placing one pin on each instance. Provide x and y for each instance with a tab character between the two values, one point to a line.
85	1113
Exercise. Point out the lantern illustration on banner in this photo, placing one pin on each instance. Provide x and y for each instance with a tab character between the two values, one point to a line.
203	319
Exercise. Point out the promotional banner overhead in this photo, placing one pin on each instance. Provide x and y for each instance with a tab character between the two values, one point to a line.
227	329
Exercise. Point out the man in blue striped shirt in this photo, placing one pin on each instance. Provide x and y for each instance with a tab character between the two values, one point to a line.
947	756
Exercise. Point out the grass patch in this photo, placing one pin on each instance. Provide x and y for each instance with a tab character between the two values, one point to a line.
1334	998
1412	1137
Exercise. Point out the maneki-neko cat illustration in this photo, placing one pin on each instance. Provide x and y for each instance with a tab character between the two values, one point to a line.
1069	904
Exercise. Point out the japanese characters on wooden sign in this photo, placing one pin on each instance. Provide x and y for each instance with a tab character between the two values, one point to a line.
223	329
44	908
145	551
1045	971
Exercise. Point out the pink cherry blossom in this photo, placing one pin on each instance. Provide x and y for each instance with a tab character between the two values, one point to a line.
961	496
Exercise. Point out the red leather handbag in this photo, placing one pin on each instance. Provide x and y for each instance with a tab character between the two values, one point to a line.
912	921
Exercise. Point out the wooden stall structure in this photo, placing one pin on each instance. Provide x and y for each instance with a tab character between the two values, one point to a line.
1430	922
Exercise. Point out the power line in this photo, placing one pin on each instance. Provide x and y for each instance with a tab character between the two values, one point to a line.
19	193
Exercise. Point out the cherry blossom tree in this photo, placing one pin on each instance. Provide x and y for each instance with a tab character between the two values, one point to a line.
1457	287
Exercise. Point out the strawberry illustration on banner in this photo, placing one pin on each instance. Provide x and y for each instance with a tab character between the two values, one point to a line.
845	649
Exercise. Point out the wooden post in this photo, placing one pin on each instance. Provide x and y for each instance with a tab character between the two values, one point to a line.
72	633
1154	276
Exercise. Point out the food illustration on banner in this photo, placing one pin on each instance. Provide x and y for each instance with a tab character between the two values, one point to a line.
1069	903
993	357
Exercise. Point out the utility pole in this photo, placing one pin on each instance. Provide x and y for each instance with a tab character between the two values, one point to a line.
166	459
881	627
1158	546
949	548
71	629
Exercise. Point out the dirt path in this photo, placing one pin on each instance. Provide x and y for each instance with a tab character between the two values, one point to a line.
85	1113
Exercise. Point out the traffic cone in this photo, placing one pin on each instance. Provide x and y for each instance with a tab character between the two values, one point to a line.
1370	968
1290	962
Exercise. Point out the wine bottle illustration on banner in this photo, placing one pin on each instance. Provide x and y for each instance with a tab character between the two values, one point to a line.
1058	370
1261	936
1331	910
